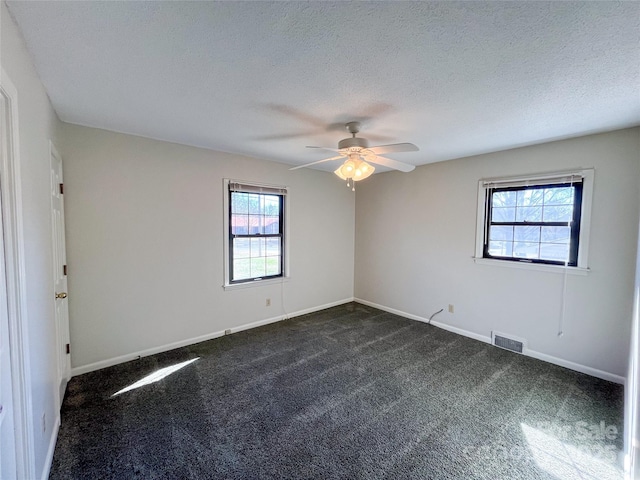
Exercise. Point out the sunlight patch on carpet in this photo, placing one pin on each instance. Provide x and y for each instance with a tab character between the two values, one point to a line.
554	454
155	376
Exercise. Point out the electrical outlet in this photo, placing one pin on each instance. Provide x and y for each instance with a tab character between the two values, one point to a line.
450	308
44	422
227	331
268	302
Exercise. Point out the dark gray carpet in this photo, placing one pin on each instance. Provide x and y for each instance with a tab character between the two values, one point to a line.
346	393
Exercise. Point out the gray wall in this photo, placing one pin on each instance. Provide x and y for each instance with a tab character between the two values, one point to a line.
145	244
415	237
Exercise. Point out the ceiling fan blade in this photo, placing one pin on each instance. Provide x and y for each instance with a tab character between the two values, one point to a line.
324	148
387	162
283	136
319	161
394	147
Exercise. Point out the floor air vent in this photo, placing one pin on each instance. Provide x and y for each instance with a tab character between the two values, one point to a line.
507	343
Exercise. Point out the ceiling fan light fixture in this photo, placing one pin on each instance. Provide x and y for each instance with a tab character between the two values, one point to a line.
363	170
354	169
339	173
348	168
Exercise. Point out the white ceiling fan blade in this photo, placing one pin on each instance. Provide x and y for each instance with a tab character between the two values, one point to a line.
394	147
315	163
325	148
387	162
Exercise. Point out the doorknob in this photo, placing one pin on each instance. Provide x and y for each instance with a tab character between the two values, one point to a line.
61	295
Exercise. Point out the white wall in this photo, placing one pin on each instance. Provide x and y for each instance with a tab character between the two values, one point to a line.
145	243
415	237
37	125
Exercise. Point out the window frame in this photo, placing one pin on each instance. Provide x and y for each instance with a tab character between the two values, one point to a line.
574	224
229	186
578	259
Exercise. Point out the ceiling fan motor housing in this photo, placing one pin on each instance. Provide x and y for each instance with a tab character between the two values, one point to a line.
358	142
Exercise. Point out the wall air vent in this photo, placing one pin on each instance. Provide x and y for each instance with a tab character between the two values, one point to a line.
508	342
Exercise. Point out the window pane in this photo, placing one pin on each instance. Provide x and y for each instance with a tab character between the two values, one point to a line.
558	196
555	234
530	197
254	203
273	265
239	202
526	234
239	224
258	247
563	213
501	233
554	251
526	250
255	224
271	224
503	214
241	269
273	246
241	248
504	199
271	205
501	249
529	214
258	267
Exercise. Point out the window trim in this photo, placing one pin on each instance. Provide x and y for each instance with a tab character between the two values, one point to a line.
261	188
587	177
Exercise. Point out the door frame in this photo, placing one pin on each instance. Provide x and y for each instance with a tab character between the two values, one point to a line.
16	286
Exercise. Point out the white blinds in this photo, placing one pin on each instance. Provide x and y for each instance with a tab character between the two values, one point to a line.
254	188
549	179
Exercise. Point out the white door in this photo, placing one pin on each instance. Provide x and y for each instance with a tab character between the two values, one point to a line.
7	433
60	274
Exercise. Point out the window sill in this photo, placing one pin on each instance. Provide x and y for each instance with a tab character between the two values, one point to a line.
255	283
533	266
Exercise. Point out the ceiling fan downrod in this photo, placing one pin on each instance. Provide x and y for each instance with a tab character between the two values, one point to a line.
355	143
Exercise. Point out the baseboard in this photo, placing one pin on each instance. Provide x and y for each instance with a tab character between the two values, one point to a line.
48	461
594	372
109	362
411	316
202	338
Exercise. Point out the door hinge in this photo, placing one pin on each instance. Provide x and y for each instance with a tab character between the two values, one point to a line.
62	189
64	270
68	349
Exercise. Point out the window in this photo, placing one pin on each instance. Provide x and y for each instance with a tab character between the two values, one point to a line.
539	220
255	229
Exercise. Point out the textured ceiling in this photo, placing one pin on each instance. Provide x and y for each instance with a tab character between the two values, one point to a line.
266	79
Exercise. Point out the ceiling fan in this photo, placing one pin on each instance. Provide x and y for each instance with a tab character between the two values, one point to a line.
359	156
